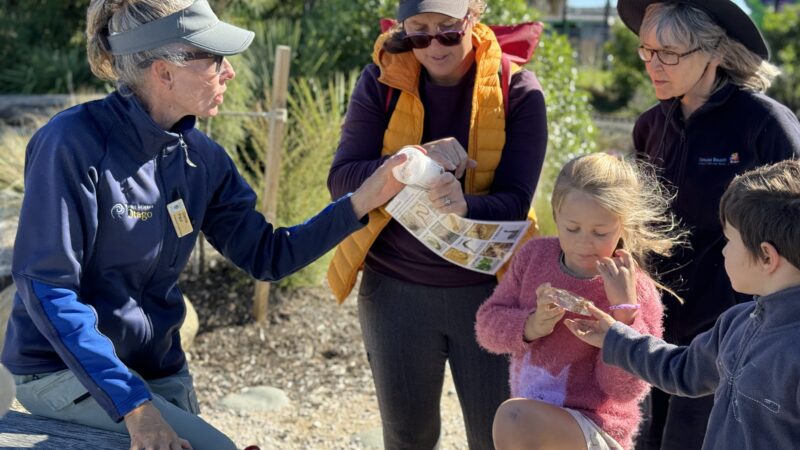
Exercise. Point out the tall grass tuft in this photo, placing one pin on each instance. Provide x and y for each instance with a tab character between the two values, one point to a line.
13	141
316	113
12	161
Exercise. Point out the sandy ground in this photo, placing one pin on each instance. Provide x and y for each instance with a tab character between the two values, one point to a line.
311	349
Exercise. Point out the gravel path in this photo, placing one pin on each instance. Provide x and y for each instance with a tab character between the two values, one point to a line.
311	349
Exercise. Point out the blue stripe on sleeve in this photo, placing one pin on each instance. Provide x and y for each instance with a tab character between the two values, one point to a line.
71	327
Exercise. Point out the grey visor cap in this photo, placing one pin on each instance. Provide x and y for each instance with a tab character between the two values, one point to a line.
196	25
453	8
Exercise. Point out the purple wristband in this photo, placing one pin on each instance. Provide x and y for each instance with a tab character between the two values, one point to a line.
628	306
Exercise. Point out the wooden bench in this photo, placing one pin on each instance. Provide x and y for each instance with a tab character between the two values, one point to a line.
24	431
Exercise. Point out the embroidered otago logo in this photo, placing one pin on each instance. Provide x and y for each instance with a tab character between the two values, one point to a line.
137	212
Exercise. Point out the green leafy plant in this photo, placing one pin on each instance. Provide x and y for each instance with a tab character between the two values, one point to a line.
42	47
570	127
624	87
506	12
782	31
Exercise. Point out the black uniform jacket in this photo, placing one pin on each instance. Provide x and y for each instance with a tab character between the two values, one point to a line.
734	131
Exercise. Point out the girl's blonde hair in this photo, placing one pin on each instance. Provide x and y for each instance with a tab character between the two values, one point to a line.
680	23
106	17
396	44
630	191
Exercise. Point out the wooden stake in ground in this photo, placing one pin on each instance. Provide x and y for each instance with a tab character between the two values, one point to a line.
280	91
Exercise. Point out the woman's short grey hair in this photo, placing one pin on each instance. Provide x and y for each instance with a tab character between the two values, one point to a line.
680	23
106	17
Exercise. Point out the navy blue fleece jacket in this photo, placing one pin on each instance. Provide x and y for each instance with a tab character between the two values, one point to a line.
96	259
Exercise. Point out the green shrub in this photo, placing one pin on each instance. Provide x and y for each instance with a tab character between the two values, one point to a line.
570	127
782	31
334	35
326	37
42	46
506	12
624	86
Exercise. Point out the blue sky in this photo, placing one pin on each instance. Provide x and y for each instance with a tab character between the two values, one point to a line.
599	3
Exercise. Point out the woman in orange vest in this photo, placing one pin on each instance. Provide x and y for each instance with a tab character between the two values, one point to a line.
435	82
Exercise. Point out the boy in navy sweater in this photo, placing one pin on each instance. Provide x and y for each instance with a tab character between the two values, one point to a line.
748	359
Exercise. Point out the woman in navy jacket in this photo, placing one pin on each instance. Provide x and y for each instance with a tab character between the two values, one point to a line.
116	192
708	65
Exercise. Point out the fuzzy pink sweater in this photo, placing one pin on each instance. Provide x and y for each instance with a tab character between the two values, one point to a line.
559	368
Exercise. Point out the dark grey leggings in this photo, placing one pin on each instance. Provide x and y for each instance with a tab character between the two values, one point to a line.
409	332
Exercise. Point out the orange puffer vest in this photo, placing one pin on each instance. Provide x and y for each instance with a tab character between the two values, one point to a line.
486	140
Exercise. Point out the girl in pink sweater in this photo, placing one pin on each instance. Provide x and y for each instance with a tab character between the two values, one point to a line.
609	216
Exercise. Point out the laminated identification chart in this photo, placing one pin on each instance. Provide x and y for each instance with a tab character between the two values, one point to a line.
477	245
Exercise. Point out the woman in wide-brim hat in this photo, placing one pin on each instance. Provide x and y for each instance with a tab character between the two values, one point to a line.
116	192
709	67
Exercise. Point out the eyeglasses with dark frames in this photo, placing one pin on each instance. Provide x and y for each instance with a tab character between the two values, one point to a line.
448	38
194	56
667	57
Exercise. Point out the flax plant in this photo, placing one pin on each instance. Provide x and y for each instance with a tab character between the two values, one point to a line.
316	113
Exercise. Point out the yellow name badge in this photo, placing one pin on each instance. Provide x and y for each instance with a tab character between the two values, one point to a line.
180	218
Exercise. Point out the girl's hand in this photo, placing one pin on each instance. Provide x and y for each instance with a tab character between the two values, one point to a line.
446	195
542	322
619	280
449	154
593	332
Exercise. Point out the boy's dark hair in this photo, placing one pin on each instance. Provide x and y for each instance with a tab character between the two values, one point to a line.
764	206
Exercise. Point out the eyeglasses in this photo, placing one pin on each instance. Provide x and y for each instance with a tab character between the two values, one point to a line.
448	38
667	57
193	56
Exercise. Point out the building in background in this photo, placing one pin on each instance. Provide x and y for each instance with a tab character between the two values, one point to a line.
587	23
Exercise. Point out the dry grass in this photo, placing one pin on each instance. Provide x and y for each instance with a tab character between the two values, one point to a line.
12	154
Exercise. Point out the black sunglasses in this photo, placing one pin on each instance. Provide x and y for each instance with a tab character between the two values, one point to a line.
193	56
448	38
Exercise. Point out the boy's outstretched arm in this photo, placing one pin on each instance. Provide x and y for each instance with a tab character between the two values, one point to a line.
688	371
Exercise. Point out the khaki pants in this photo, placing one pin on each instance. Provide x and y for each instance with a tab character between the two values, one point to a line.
59	395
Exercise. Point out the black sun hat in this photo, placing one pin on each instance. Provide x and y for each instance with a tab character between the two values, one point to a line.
725	13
